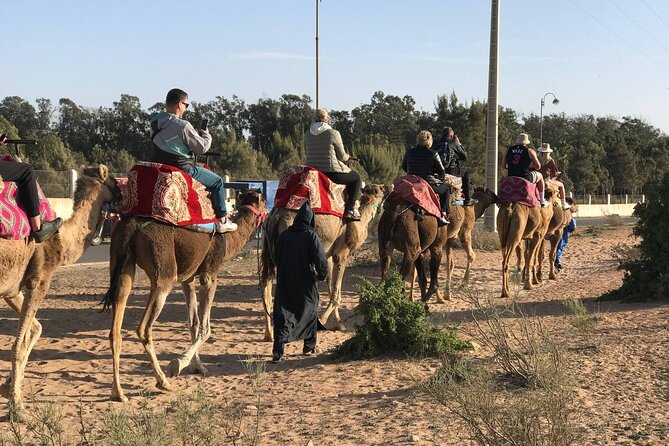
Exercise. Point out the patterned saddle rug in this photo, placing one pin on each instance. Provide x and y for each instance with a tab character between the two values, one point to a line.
519	190
301	183
14	224
167	194
415	190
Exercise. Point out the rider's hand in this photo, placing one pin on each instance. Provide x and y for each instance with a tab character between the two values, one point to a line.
3	137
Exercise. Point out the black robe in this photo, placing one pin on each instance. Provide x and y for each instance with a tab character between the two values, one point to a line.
301	262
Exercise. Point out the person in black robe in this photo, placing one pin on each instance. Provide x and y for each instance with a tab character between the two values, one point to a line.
301	262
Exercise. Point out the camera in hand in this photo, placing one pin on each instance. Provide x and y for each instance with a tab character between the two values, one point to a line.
204	123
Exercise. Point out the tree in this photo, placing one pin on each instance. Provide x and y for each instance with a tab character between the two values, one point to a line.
20	113
390	116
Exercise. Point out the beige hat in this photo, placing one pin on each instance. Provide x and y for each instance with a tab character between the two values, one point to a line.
522	139
545	148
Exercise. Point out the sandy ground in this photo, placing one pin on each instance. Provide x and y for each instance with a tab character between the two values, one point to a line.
622	381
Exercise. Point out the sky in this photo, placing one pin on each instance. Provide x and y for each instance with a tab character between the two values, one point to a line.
600	57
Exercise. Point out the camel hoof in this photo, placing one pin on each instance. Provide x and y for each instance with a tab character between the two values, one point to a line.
198	368
119	398
553	277
339	326
164	386
268	337
174	368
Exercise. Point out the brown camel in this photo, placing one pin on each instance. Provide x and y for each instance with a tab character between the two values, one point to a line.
339	241
559	221
26	268
170	254
516	222
399	228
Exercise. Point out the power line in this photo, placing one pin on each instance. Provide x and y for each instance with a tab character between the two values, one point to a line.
639	26
656	14
618	36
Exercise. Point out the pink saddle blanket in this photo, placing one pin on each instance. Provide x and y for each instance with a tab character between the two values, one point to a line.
415	190
301	183
519	190
14	224
165	193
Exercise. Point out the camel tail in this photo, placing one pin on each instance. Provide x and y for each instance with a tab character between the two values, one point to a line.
112	293
267	265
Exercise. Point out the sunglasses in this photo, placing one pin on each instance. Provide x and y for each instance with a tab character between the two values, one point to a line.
186	104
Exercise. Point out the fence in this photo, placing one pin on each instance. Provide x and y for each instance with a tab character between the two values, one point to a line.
609	199
57	184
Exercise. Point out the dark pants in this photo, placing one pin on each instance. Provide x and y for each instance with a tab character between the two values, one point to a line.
444	192
464	174
279	347
24	176
353	185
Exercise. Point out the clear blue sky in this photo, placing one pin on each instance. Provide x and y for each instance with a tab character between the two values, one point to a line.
604	57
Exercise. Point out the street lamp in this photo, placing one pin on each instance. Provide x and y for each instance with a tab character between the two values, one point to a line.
541	119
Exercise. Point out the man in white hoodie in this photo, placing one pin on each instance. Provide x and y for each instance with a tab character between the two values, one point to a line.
325	152
175	141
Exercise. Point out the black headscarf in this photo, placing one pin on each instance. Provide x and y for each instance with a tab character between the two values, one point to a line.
304	220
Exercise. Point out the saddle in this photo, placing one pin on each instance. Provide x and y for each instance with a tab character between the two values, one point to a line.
519	190
303	183
14	223
416	191
168	194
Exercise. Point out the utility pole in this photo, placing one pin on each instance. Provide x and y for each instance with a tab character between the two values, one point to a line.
317	86
490	220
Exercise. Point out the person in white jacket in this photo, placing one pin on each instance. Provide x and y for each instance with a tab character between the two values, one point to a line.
325	152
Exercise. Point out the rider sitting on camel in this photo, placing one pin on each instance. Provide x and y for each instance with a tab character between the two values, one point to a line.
451	153
175	140
424	162
521	161
325	152
550	172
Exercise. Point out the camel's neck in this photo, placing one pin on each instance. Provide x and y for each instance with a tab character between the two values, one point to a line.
367	213
76	232
480	207
234	241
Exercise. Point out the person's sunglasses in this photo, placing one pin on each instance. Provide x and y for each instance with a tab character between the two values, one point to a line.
186	104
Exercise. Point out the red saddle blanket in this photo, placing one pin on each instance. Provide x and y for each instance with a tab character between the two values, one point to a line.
415	190
14	224
301	183
166	193
519	190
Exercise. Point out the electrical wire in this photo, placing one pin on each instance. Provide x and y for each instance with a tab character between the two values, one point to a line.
656	14
639	26
605	26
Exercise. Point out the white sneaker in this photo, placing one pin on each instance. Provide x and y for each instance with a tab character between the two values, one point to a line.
566	206
227	226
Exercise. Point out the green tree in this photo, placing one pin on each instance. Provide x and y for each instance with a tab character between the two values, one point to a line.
20	113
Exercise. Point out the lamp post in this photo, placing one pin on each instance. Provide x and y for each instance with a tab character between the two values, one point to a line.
541	119
317	80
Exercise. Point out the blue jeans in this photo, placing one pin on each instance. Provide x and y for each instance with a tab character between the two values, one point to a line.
214	184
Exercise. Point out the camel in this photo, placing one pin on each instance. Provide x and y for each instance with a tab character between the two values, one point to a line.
170	254
516	222
26	268
339	242
399	229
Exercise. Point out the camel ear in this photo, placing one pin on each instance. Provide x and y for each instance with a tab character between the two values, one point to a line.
103	172
388	188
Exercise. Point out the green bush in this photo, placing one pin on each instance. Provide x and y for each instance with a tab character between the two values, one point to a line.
392	323
647	278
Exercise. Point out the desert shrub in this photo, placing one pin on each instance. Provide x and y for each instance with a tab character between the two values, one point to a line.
624	253
647	277
392	323
592	231
487	397
614	220
483	240
581	318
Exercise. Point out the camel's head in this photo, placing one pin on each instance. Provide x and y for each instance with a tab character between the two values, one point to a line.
253	200
485	195
97	177
373	194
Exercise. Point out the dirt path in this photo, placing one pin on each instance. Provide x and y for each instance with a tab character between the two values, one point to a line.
622	383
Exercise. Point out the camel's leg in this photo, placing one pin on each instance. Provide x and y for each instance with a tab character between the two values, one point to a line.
160	288
115	336
36	289
412	285
435	263
332	286
520	256
267	308
340	261
554	241
384	258
422	278
190	294
531	261
466	240
16	302
202	330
